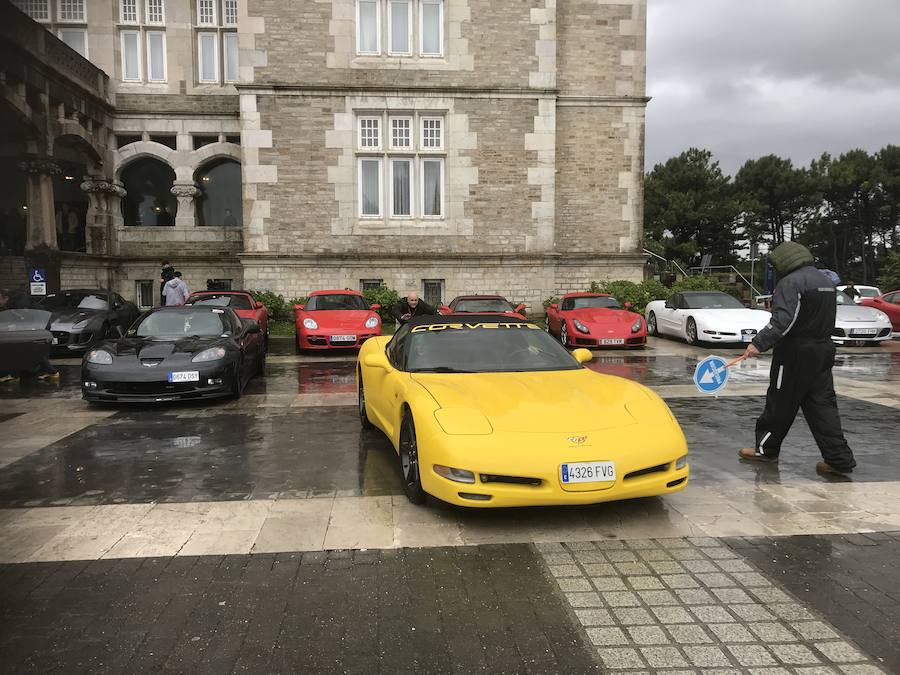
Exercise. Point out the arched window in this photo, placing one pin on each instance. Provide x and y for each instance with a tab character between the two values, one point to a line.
149	201
219	201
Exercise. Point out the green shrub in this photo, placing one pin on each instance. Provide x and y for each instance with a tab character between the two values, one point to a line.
697	282
296	301
889	279
638	294
384	296
275	303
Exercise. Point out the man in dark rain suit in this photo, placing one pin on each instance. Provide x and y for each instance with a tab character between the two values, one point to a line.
803	312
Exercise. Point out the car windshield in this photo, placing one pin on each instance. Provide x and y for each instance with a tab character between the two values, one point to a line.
12	320
76	300
233	300
711	301
868	292
603	302
336	301
174	324
482	305
485	347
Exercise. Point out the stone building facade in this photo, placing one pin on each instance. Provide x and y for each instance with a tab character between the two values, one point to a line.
445	146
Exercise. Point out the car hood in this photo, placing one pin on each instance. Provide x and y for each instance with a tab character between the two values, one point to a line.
603	316
66	317
161	349
538	402
855	313
339	319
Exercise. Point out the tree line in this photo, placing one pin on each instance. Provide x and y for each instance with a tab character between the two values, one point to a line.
845	209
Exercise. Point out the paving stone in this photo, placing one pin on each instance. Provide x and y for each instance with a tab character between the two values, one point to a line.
646	583
715	580
584	600
641	544
770	596
561	558
590	557
648	635
549	547
621	599
607	636
733	632
663	657
610	544
720	554
679	581
574	584
565	570
620	658
840	651
704	542
794	655
791	612
733	565
769	631
707	657
672	615
698	566
712	614
673	542
814	630
751	579
654	555
580	545
657	598
687	634
752	612
594	617
694	596
632	616
609	584
600	570
731	596
632	568
666	567
818	670
623	556
862	670
751	655
687	554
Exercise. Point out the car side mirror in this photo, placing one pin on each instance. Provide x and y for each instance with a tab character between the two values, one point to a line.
375	307
669	304
583	355
259	305
377	360
627	305
297	308
443	309
520	308
554	306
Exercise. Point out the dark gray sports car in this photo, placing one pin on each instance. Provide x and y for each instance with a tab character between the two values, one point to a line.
83	317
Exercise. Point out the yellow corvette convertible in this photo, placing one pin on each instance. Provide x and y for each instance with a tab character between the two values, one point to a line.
490	411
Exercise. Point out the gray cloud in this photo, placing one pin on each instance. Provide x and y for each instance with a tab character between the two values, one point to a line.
744	78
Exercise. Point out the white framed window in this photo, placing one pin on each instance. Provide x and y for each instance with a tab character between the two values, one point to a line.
230	12
156	12
368	26
432	187
128	11
39	10
206	13
231	53
156	56
401	133
71	11
370	187
432	133
131	55
370	133
143	293
400	27
208	57
402	190
432	291
431	27
76	38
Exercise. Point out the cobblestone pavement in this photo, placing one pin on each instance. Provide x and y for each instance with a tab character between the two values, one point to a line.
269	535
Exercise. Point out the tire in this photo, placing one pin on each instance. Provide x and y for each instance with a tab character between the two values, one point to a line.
364	420
690	331
652	328
564	334
236	388
409	461
297	349
547	326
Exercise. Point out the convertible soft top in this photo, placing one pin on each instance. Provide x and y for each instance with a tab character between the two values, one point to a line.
433	319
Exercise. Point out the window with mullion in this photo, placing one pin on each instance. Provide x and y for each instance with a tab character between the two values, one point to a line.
431	27
402	187
128	11
370	187
39	10
368	26
229	12
401	133
206	13
370	133
432	187
155	12
72	11
432	133
208	57
399	27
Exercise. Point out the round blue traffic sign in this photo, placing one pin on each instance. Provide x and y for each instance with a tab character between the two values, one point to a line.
711	374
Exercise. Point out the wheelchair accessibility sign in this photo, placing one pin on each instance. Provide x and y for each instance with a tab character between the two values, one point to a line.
711	375
37	280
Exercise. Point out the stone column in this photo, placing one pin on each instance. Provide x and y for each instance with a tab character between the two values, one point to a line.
41	248
105	197
185	217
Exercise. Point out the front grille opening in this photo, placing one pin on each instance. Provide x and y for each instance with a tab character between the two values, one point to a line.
650	469
474	496
673	483
514	480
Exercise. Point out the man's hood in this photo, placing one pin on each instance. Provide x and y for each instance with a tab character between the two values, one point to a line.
790	256
174	282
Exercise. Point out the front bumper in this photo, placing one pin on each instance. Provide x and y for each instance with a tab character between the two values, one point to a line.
578	339
850	332
66	343
99	383
323	339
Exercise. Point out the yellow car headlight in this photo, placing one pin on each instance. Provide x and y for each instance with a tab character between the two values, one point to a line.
457	475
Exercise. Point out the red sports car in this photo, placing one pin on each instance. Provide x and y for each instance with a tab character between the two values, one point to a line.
595	320
483	304
889	303
241	302
335	320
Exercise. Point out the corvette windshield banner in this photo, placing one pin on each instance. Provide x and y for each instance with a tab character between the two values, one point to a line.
431	328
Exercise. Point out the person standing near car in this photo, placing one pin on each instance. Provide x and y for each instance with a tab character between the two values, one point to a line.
175	291
165	276
803	313
850	290
406	308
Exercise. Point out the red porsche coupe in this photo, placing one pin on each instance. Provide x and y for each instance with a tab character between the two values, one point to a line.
335	320
595	320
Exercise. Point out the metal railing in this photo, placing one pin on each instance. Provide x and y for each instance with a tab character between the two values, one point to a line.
731	268
667	261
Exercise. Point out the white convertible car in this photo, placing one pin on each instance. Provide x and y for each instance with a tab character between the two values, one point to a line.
704	316
858	324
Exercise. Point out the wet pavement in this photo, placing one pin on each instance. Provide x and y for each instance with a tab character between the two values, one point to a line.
198	501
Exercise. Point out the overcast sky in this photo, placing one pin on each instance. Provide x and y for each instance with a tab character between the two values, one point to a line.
746	78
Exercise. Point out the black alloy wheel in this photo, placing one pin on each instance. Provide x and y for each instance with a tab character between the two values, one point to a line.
409	461
236	387
651	324
691	331
564	334
364	420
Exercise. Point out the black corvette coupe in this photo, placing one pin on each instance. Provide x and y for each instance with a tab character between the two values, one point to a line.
176	353
83	317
